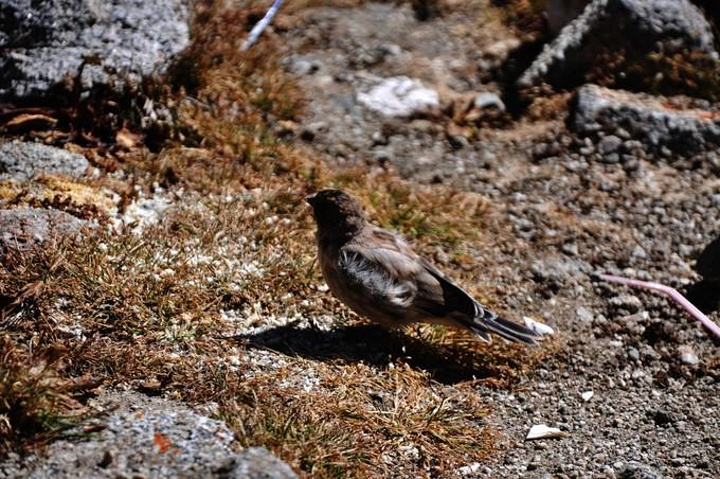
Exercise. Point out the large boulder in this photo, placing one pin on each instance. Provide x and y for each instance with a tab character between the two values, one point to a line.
43	44
153	438
680	124
630	29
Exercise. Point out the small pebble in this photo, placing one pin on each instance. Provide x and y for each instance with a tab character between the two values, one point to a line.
584	314
688	356
633	353
609	144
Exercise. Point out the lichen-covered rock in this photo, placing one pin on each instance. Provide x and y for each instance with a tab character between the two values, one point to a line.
153	438
679	124
22	161
23	228
44	43
634	27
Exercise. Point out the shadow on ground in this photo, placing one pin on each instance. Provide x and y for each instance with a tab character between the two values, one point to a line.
705	295
447	363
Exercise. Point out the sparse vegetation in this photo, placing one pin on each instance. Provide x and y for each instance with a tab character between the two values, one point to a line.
36	398
151	310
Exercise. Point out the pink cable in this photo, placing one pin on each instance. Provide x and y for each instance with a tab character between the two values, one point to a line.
673	293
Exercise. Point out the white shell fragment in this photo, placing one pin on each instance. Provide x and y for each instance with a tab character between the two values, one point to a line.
539	328
587	395
541	431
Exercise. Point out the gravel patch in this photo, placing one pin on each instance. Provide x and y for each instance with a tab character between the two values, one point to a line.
625	389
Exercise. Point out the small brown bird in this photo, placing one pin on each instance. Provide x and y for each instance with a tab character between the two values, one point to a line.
378	275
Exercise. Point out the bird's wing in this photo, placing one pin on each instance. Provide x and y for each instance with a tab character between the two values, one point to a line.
453	299
387	266
383	277
479	319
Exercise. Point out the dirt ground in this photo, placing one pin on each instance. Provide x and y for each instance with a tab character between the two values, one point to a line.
566	218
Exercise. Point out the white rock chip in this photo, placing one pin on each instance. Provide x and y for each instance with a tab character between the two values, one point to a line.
688	356
541	431
470	470
399	97
488	99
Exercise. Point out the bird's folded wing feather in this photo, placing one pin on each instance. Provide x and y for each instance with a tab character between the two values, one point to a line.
385	276
397	278
387	266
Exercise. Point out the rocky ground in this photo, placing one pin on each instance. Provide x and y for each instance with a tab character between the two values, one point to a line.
572	214
548	192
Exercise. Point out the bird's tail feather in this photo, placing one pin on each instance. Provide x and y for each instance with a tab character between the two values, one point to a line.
509	330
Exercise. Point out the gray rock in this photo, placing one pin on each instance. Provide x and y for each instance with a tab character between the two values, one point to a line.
584	314
556	272
611	158
626	302
259	463
26	23
633	353
22	161
302	66
379	139
637	26
570	249
365	57
43	43
678	124
636	470
609	144
662	417
22	228
153	438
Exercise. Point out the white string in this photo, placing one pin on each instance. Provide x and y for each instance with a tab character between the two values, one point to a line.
261	25
673	293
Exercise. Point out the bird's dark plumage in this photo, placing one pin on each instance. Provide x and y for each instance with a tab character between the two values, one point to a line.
378	275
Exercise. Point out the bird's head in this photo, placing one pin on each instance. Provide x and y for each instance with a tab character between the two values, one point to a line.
336	214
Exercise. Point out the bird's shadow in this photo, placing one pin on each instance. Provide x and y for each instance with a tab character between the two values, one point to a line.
371	344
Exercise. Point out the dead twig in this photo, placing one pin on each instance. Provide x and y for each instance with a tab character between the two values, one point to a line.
673	293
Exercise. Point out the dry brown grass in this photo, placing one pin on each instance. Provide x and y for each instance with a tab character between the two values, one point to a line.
151	310
36	395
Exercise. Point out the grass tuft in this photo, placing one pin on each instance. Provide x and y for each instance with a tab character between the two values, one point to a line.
36	398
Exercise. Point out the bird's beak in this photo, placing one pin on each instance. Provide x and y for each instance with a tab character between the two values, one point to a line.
309	199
